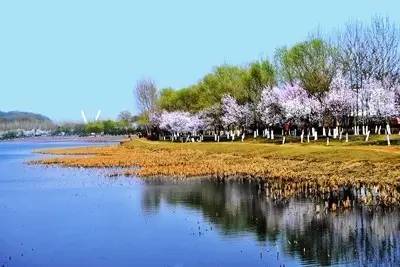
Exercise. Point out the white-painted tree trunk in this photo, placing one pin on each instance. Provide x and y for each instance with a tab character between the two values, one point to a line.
254	134
367	137
302	136
323	131
388	139
388	129
347	137
327	141
388	133
376	129
242	136
308	137
272	134
283	140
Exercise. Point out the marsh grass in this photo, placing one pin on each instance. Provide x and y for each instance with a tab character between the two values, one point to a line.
325	168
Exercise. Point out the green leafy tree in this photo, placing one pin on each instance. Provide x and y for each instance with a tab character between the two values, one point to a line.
312	63
94	127
223	80
261	74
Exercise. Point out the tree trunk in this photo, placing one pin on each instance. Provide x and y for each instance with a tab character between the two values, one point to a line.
302	136
367	137
388	134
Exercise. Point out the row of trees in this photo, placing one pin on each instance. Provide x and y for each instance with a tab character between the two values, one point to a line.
27	124
349	84
125	124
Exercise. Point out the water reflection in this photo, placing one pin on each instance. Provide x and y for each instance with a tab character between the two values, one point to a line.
357	236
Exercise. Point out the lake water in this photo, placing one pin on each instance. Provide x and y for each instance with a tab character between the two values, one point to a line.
53	216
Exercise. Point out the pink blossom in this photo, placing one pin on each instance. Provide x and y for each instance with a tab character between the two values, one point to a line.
180	122
296	102
234	114
340	100
380	99
269	108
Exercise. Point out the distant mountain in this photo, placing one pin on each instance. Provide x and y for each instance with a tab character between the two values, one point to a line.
23	120
21	116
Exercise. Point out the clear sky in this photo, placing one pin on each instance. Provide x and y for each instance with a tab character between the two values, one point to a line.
58	57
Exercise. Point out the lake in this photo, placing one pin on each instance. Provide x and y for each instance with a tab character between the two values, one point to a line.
51	216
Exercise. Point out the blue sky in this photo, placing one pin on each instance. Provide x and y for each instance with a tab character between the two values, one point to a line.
58	57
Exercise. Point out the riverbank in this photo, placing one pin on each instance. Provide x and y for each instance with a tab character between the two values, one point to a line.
295	166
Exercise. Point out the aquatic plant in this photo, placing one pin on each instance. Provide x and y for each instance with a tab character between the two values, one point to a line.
325	169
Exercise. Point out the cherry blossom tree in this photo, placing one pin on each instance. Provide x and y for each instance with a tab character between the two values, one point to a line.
297	104
299	107
269	108
382	102
235	115
178	122
340	101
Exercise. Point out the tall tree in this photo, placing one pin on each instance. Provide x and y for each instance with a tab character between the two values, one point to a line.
147	97
369	51
261	74
225	79
312	63
125	116
384	38
354	57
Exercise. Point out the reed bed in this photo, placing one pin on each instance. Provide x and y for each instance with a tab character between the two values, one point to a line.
323	169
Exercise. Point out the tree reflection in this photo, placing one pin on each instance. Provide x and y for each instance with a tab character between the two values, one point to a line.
360	235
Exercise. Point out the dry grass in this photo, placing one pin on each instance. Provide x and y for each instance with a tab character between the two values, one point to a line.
317	165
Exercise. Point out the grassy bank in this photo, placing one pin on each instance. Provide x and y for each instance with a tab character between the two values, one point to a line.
296	165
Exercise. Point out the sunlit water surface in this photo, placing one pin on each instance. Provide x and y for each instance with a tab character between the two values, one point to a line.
53	216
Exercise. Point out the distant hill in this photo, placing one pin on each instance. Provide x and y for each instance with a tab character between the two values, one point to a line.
23	120
20	115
